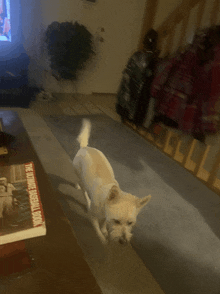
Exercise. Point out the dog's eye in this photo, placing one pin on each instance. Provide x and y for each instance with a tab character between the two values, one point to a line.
117	221
130	223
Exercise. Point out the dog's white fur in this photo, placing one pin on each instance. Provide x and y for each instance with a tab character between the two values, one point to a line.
112	212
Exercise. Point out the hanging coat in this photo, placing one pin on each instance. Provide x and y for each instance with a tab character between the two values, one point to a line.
174	88
184	93
134	91
210	113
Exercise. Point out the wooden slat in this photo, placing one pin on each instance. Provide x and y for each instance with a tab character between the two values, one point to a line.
191	166
177	38
162	45
176	16
214	170
178	156
169	43
184	29
167	148
200	13
142	132
180	14
176	138
149	137
159	137
204	175
218	17
188	163
206	18
214	13
159	144
191	26
199	168
216	184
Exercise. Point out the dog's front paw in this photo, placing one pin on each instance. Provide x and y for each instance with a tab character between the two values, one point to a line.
104	240
76	186
104	232
97	228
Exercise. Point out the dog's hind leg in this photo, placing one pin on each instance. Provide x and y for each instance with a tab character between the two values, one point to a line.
88	200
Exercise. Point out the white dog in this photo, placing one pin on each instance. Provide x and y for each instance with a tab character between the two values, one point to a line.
112	212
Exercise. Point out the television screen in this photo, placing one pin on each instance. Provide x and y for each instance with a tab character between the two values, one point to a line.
5	21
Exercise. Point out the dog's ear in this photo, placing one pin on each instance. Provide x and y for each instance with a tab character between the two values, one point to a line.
113	193
142	202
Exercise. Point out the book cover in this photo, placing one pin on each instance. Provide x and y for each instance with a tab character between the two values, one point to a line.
3	149
21	212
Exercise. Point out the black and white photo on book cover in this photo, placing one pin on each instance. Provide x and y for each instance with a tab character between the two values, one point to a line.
21	212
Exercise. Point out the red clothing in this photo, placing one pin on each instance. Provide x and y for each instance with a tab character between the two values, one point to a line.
187	92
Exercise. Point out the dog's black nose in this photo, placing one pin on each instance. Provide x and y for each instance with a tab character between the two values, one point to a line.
122	241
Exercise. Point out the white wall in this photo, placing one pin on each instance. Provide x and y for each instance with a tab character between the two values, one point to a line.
38	14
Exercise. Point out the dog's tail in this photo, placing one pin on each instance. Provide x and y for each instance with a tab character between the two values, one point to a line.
84	135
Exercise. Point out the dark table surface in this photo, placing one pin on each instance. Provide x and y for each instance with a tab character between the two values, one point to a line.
58	265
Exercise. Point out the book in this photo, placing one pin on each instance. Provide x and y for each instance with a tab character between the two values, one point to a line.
21	211
3	149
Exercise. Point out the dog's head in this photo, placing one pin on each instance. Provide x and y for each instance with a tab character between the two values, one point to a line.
121	212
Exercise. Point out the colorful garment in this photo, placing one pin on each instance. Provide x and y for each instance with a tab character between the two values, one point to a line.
134	90
211	108
187	92
174	93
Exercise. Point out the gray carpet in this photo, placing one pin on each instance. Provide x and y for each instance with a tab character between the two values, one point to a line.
178	233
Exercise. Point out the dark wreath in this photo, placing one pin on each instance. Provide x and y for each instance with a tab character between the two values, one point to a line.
70	46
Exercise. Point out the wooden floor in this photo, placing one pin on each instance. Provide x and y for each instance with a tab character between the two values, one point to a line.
72	104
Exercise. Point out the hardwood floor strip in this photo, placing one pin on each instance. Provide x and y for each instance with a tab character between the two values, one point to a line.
47	108
79	108
110	113
75	104
105	100
66	109
91	107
